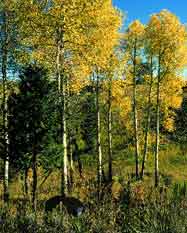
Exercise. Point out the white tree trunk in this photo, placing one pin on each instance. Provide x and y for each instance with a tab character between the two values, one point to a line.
6	179
99	151
5	107
63	126
65	140
71	165
147	122
135	117
157	128
110	130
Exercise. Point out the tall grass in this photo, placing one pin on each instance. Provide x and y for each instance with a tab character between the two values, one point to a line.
156	211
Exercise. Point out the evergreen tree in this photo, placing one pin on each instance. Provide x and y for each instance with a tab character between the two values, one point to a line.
26	121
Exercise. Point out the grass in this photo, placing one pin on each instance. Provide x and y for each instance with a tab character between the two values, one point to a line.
156	212
140	209
173	167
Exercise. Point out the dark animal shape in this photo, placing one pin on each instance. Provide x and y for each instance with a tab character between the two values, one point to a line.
73	205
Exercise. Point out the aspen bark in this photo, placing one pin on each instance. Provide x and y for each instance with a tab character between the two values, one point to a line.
147	122
71	173
4	106
65	170
109	128
99	152
70	139
157	127
135	117
63	126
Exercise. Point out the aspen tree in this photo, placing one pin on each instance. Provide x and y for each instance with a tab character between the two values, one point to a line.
134	38
106	38
79	32
148	118
167	39
7	49
5	109
111	70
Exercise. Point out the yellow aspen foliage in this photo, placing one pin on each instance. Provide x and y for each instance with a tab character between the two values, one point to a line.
166	43
121	100
135	31
134	37
171	99
104	35
166	38
134	40
88	30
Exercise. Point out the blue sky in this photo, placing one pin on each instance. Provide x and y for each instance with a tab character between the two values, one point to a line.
142	9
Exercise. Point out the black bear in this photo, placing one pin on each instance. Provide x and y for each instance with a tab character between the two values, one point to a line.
73	205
